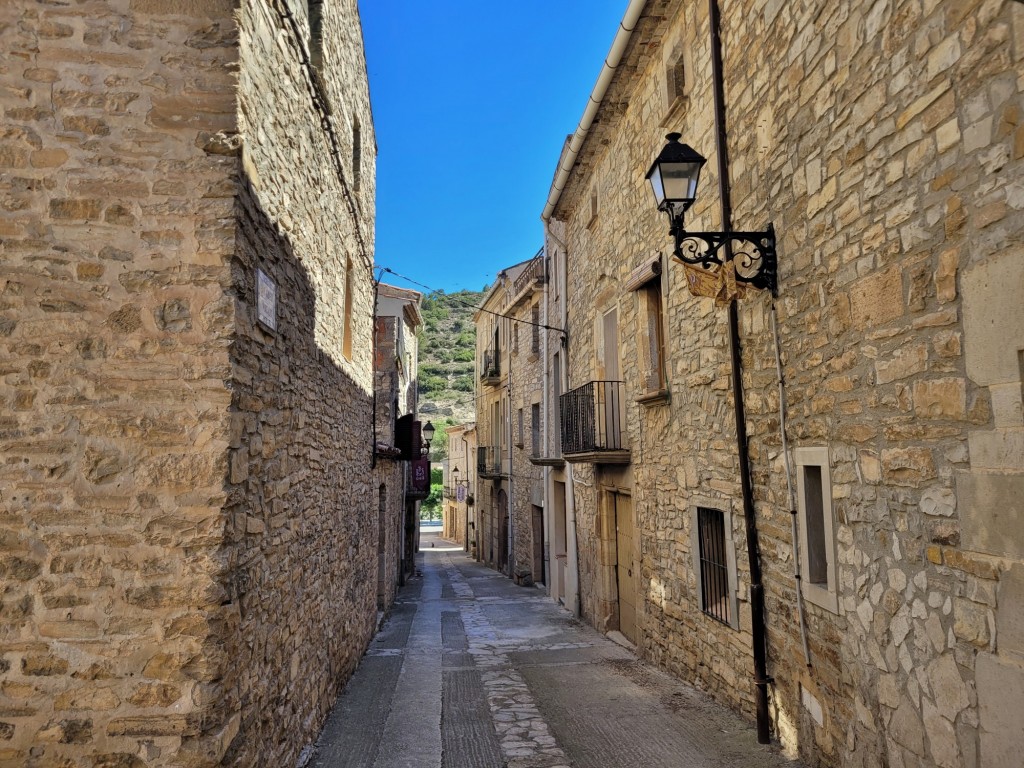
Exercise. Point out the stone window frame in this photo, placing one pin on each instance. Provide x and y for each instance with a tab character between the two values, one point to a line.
823	594
725	506
678	64
651	332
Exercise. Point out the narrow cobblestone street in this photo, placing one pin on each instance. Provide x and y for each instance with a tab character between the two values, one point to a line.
472	671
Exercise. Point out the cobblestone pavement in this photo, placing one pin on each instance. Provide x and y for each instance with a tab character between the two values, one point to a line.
471	671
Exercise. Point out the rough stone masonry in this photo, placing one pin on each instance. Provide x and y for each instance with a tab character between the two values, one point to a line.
188	543
885	142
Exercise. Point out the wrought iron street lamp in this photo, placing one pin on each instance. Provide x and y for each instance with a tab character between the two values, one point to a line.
673	177
428	437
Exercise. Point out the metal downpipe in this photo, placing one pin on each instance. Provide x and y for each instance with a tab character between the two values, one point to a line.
757	627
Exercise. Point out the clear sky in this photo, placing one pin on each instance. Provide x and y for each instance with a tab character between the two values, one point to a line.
471	105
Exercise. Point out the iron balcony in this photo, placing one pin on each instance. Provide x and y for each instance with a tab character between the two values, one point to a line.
593	424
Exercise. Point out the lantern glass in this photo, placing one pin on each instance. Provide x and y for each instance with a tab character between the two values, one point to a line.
674	176
428	432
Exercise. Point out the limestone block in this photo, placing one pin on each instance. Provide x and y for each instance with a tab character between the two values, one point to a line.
938	501
1010	613
940	398
906	727
942	742
1000	687
904	362
1001	449
877	299
993	320
992	513
948	687
907	466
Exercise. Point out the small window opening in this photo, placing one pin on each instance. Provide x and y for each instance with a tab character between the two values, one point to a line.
357	155
714	568
316	41
347	340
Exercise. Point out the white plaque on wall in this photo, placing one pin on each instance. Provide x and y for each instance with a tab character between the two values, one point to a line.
266	300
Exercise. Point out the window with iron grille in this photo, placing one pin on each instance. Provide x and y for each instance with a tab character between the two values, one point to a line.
535	338
535	428
714	572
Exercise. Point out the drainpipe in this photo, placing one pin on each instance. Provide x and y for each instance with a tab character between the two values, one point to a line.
611	63
508	441
757	627
572	589
465	453
545	418
567	161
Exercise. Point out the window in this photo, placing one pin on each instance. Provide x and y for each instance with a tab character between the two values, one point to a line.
314	9
652	350
645	280
346	348
357	155
515	338
677	86
557	379
535	338
520	431
535	428
714	561
593	206
610	345
817	538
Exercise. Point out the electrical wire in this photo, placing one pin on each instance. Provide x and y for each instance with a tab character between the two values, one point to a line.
473	306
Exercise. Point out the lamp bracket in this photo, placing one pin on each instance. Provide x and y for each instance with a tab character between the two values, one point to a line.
752	253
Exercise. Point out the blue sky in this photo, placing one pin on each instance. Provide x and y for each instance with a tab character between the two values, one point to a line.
471	105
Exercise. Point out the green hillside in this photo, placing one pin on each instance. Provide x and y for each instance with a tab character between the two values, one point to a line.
447	352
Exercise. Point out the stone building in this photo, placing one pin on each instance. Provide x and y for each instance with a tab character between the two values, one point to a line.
188	537
884	143
459	485
495	481
396	360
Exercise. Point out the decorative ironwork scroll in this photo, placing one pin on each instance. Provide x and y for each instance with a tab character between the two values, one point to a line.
753	253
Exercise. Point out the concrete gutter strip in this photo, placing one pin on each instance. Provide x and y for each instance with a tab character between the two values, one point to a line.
611	63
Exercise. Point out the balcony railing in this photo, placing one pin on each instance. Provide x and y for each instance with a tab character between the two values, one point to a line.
490	368
593	423
488	461
533	271
450	492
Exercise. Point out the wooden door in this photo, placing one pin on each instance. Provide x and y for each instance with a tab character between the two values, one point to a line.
626	570
539	574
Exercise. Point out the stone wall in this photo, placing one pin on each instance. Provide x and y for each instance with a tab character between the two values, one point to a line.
302	539
525	390
884	143
116	229
188	549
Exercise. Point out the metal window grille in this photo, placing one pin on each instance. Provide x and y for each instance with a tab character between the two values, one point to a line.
535	429
535	336
592	417
714	569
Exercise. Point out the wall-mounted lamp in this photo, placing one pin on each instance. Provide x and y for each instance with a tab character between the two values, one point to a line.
428	436
673	177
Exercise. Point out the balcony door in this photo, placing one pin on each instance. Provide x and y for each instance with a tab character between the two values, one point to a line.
609	408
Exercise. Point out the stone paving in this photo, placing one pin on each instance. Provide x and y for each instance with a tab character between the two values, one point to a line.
471	671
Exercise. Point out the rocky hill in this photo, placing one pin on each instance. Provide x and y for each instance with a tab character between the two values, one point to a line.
447	351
